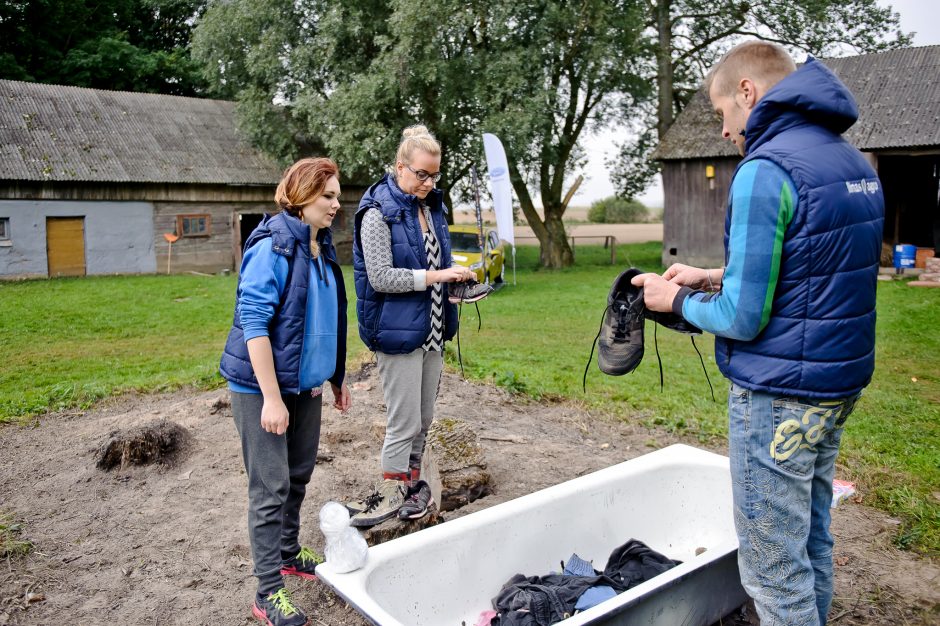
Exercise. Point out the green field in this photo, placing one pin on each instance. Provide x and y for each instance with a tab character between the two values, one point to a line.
65	343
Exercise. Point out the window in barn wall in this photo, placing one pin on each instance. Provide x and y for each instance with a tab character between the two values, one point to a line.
193	225
5	231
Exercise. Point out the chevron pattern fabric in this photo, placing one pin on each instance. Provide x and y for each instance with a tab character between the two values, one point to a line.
432	249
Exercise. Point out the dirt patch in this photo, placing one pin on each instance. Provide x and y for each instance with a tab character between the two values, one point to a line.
167	544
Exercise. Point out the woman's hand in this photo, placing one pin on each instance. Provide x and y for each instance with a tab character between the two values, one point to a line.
342	400
455	274
274	416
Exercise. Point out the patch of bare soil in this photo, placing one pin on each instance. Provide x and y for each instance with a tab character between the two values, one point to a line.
167	544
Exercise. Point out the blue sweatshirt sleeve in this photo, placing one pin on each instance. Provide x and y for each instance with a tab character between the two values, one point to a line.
263	277
763	198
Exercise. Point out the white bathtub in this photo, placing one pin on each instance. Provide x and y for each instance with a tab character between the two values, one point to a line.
675	500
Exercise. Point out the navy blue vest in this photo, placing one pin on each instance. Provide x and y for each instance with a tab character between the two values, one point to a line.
820	339
290	238
398	323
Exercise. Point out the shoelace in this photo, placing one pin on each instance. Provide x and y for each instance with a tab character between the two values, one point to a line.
593	345
306	555
620	333
479	326
373	500
282	602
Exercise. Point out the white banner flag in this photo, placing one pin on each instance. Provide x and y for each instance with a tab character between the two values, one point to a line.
500	186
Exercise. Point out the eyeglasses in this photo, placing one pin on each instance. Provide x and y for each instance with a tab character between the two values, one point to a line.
422	176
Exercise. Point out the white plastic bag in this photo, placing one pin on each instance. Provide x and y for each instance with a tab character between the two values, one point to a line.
346	550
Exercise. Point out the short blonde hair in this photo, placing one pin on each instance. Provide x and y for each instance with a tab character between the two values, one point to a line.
416	137
304	182
763	62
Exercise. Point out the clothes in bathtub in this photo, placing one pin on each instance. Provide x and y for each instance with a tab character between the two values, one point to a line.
544	600
576	566
541	600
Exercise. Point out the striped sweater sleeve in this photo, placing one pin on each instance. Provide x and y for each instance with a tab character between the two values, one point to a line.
763	198
377	254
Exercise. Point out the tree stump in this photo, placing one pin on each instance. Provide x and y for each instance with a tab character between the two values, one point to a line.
455	466
395	528
159	441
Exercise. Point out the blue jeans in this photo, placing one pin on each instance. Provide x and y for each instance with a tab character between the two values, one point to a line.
783	452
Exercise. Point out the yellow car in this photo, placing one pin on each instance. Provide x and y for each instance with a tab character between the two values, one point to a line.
465	248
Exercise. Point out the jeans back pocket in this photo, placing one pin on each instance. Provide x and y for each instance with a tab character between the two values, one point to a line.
798	428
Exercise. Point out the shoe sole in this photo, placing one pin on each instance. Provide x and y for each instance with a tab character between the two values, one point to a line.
261	616
374	521
467	300
290	571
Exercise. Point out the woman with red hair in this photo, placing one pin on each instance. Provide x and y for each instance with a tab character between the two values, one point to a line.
287	340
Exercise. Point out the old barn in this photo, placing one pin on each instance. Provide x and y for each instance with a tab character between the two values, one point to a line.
98	182
898	129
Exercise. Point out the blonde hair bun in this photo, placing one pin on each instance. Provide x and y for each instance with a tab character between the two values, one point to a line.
416	137
418	130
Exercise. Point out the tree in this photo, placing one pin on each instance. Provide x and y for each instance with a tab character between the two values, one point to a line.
534	72
556	68
133	45
686	37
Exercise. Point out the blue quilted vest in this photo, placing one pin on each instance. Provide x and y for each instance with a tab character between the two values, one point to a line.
820	340
290	238
398	323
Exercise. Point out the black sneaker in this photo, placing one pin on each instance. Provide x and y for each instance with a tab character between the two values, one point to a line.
303	564
469	291
620	338
277	609
417	503
673	322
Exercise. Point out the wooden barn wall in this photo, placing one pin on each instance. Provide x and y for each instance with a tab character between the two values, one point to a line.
342	223
209	254
694	211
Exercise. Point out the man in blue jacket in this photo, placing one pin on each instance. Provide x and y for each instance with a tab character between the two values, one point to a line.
793	312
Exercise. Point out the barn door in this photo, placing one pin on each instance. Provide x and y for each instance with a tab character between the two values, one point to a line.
65	246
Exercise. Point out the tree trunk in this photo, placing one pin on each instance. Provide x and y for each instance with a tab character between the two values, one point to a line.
664	76
555	251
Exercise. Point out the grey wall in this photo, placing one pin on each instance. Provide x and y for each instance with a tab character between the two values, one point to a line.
119	236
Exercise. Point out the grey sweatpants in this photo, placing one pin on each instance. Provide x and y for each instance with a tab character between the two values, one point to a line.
409	383
279	468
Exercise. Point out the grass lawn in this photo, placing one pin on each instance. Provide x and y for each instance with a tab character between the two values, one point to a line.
67	342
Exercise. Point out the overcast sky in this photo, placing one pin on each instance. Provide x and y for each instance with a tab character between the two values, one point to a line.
920	16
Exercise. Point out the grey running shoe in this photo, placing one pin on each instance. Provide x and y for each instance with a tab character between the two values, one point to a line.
469	291
369	501
417	503
277	609
391	496
620	340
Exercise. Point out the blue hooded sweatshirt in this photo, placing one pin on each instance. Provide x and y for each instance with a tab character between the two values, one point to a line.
297	301
803	231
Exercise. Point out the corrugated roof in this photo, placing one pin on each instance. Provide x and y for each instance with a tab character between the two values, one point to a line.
898	95
58	133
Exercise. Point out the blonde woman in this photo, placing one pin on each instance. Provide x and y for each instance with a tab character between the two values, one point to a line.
402	268
287	340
